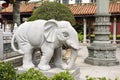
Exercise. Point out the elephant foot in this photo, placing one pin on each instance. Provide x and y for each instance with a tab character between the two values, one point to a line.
28	66
65	66
57	64
44	67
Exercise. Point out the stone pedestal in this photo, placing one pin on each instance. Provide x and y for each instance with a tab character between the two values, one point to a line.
75	72
102	54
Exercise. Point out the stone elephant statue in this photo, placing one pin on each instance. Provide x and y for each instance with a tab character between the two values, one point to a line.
49	36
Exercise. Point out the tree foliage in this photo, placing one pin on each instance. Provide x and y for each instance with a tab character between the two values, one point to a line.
31	74
16	10
13	1
53	10
7	71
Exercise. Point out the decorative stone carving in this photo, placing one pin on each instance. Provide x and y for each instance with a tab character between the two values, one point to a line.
49	36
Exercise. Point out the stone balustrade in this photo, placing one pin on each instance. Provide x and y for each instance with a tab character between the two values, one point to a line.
5	40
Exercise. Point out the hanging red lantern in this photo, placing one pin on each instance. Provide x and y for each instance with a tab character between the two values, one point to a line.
4	5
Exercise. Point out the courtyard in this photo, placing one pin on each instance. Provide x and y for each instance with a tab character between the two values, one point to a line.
101	51
97	71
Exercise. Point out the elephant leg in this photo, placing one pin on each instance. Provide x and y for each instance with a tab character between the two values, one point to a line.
58	59
27	57
47	54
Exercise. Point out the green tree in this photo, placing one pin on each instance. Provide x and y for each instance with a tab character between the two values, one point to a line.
53	10
16	10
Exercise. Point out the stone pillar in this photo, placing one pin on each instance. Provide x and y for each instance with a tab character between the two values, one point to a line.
61	1
84	30
15	28
101	51
71	1
1	42
114	31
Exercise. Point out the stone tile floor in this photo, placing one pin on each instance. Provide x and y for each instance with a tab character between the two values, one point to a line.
97	71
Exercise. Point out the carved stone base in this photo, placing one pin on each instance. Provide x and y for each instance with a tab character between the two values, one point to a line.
75	72
102	54
101	62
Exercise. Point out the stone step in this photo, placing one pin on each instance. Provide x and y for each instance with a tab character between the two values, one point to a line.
17	61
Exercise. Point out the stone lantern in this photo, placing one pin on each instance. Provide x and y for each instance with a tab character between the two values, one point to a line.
101	51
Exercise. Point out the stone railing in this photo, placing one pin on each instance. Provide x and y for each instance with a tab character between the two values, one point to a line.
5	40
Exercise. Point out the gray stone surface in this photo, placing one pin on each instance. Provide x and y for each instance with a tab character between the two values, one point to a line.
17	60
103	7
102	55
1	42
97	71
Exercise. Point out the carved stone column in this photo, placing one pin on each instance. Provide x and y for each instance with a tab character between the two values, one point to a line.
1	43
84	30
101	51
114	31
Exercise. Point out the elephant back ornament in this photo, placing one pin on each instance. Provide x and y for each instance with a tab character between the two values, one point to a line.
49	36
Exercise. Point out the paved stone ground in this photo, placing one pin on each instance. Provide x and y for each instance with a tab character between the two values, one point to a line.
97	71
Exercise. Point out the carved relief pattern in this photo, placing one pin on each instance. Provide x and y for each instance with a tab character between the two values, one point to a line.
102	29
102	19
101	37
102	54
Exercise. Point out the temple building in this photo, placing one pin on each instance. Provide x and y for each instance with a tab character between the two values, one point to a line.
84	14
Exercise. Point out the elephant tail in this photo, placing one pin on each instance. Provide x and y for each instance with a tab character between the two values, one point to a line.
13	46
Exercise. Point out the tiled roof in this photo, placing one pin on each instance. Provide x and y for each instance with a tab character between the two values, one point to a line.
78	10
24	8
88	9
114	8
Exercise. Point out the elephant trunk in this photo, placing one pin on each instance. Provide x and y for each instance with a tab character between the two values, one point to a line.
72	60
74	45
74	54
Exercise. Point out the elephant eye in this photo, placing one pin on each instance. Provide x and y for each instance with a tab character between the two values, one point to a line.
65	34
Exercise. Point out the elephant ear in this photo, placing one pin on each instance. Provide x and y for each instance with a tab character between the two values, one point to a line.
50	30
